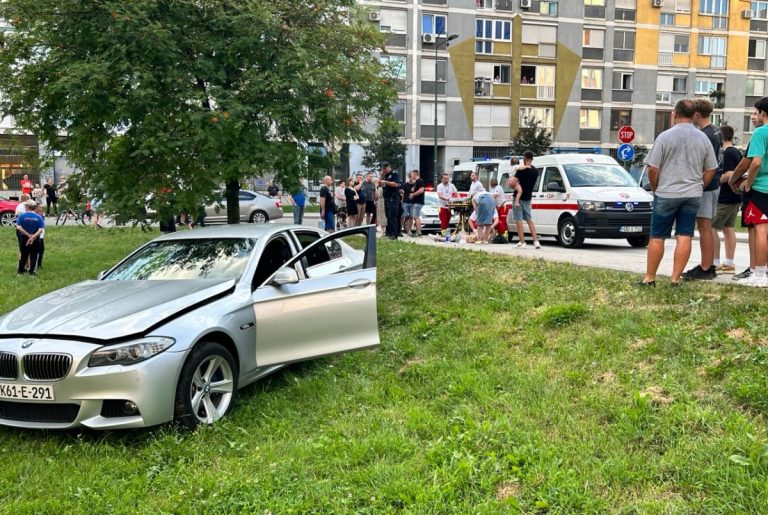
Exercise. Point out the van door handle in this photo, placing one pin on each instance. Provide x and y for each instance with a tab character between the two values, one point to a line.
360	283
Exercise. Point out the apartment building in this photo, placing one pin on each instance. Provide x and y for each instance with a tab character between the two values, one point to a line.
583	68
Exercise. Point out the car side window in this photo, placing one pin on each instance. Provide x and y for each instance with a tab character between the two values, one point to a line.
244	195
306	238
552	174
336	255
276	253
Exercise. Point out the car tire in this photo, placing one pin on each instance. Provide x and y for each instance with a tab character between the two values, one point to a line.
638	241
568	235
6	218
207	386
258	217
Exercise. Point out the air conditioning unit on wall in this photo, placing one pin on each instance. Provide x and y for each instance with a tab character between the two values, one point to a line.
658	3
428	38
374	16
525	4
747	14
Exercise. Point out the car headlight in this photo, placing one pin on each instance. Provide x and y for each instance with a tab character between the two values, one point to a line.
130	353
591	205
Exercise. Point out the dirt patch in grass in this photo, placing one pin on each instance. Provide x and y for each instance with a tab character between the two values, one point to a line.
640	344
507	489
607	378
408	364
738	333
657	395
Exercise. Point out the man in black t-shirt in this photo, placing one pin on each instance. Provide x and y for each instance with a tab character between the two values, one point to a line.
390	182
728	204
526	174
415	199
327	204
51	198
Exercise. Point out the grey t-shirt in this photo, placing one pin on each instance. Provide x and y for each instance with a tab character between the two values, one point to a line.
681	154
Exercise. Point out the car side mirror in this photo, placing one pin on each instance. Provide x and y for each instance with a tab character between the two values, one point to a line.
647	186
555	186
100	275
285	275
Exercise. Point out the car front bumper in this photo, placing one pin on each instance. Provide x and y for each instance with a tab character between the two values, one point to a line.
601	224
82	397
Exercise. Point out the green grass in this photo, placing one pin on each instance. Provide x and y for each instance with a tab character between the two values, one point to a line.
501	385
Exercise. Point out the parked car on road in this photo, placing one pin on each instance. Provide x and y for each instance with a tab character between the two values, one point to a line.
254	207
7	211
177	327
430	219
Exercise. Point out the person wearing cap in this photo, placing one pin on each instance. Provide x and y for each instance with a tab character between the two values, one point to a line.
390	182
29	227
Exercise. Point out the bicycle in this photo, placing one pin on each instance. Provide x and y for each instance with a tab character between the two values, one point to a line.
75	215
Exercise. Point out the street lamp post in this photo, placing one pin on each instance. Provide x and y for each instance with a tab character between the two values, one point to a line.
438	42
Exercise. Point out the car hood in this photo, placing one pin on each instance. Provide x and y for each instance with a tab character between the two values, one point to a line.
612	193
105	310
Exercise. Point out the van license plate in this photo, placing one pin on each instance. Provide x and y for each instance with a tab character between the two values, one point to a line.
631	228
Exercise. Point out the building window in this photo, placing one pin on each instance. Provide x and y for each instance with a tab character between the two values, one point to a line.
683	6
622	81
755	87
486	31
488	74
484	4
620	118
626	4
428	68
715	48
679	84
682	44
667	19
594	38
589	118
714	7
544	115
592	78
548	7
399	112
394	66
747	123
491	122
427	114
756	48
759	10
707	86
543	77
544	36
623	45
395	22
596	3
433	24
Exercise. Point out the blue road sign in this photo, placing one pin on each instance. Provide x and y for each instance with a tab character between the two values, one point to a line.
625	152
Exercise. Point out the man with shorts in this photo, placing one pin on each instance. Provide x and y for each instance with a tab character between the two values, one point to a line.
327	205
680	164
526	175
756	189
445	192
369	188
708	205
728	204
416	203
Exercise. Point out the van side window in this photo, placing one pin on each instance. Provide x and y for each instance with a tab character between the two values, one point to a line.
503	183
538	180
552	174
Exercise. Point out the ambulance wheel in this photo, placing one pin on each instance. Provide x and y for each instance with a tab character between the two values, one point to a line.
567	235
638	241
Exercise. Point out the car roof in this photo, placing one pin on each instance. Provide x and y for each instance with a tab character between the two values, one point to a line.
568	159
245	230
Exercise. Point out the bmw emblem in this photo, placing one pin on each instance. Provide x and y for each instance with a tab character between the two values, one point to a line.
27	343
629	206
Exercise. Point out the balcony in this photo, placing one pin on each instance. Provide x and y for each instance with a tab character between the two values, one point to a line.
486	88
545	92
665	58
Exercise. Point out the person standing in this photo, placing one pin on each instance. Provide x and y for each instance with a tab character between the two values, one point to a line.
273	189
680	164
756	190
341	204
475	185
299	200
350	197
445	193
327	205
526	175
369	189
728	204
381	214
416	202
29	226
708	205
26	185
390	182
51	197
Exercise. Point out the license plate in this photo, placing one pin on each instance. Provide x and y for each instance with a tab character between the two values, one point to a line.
631	228
26	392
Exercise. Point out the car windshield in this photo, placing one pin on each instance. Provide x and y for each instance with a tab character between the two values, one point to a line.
222	259
598	175
431	199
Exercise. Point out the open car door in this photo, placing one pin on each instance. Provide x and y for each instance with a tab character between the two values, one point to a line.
322	301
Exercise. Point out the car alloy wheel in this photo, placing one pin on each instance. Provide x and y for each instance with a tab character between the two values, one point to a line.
6	218
259	217
207	385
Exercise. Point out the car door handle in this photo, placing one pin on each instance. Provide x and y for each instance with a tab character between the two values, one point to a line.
359	283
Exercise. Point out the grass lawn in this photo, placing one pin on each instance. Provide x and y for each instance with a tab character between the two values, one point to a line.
501	385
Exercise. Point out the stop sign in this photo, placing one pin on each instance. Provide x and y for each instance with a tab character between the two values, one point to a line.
626	134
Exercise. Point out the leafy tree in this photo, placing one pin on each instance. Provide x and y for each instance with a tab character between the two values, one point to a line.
160	99
531	136
386	145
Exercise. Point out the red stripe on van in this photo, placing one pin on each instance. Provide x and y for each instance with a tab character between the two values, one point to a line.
554	206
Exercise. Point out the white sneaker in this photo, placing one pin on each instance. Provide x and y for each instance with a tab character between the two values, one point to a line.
536	244
521	245
759	282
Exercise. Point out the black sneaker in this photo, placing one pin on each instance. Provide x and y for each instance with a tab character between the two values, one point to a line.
699	273
743	275
644	284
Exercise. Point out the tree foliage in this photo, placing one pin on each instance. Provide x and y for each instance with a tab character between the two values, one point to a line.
532	136
149	97
386	145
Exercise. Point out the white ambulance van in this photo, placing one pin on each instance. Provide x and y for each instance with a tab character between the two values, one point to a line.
579	196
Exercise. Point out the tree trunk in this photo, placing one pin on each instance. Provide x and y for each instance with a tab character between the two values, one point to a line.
233	201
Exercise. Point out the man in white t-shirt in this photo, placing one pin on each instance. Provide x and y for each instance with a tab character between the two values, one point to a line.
445	192
498	193
21	208
476	186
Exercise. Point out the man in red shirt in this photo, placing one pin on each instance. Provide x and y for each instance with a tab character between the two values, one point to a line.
26	185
